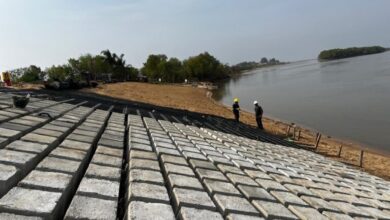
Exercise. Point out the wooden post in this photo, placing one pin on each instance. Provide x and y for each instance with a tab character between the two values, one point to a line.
294	132
318	141
288	131
299	134
341	148
361	158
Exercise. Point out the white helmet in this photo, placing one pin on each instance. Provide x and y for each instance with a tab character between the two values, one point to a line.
255	102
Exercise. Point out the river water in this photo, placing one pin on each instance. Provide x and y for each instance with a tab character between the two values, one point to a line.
347	99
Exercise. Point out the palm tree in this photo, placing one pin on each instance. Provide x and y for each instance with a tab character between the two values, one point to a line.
117	63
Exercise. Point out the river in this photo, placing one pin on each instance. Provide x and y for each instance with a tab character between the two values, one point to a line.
347	99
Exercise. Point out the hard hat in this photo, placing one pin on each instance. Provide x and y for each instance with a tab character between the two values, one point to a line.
236	100
255	102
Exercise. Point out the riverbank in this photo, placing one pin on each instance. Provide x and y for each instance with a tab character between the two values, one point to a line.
199	100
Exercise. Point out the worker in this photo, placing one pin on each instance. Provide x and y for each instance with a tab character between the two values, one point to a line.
236	110
258	115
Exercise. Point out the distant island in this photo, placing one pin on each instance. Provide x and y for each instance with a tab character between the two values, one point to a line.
246	66
338	53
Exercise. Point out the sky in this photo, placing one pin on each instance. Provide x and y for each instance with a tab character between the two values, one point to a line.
49	32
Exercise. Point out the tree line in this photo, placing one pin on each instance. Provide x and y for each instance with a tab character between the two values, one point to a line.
338	53
157	68
264	62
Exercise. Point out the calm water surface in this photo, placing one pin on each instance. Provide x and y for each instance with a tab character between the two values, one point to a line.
347	98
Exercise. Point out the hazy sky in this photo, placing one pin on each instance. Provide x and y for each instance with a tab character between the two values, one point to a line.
47	32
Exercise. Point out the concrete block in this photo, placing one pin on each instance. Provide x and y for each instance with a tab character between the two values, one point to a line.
111	143
109	151
19	159
84	132
106	160
299	190
62	124
140	146
147	192
167	144
271	185
144	211
83	207
143	155
67	143
230	169
320	204
232	204
148	176
16	127
240	179
141	135
140	141
26	122
43	139
103	172
71	154
306	213
184	182
187	213
376	213
144	164
350	209
4	132
244	164
43	180
28	147
272	210
60	165
81	138
173	159
336	216
9	216
56	128
202	164
30	201
193	155
255	192
99	188
193	199
288	198
220	187
178	169
257	174
210	174
161	150
9	176
220	160
242	217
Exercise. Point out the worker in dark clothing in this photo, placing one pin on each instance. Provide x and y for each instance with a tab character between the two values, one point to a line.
258	115
236	110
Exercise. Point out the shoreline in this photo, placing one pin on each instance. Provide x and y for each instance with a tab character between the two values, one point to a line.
200	100
346	141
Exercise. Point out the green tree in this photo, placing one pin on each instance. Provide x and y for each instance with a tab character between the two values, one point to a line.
205	67
62	72
272	61
154	67
116	63
32	74
173	71
264	60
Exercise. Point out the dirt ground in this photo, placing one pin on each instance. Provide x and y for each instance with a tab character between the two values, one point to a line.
199	100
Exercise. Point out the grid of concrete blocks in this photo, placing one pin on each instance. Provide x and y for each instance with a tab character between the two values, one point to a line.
77	162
